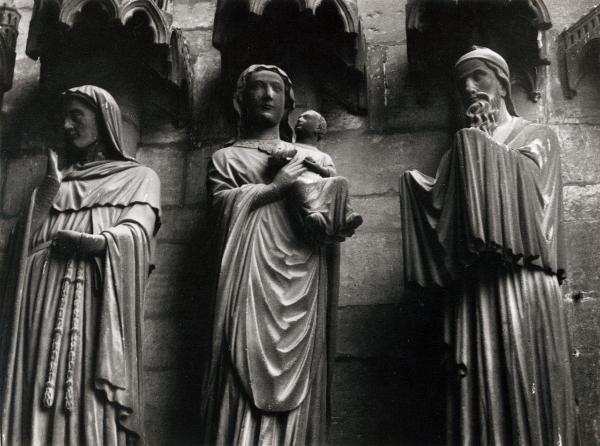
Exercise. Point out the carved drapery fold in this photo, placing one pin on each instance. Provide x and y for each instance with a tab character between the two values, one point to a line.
577	44
514	28
9	24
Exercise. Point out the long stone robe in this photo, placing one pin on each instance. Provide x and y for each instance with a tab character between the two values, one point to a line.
488	229
274	314
82	386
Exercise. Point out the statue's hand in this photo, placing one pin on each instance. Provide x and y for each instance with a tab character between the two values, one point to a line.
480	115
315	167
289	174
52	169
66	243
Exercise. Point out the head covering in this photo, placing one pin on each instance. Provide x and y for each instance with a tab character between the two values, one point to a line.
496	63
285	129
103	102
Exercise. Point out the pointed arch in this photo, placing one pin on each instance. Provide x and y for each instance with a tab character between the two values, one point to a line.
156	18
70	8
514	28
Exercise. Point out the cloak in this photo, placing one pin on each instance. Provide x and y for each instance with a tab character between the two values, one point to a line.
488	230
274	314
93	369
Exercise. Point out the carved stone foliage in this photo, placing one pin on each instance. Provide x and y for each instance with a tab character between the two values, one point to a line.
317	42
9	24
440	31
578	45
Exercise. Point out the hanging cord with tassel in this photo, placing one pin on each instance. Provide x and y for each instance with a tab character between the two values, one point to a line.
50	385
74	335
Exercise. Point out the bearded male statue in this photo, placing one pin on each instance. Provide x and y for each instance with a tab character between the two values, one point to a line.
488	229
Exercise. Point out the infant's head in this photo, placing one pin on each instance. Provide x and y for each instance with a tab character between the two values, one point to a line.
310	124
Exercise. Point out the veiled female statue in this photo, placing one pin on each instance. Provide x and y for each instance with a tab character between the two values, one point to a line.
73	306
276	294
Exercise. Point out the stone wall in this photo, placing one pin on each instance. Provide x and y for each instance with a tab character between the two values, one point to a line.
388	384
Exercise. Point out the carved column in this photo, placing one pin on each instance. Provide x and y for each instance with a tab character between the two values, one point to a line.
9	30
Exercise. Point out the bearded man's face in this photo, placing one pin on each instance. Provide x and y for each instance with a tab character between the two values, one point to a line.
482	93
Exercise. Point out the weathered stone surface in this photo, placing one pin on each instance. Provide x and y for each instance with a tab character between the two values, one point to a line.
580	145
171	407
583	251
581	203
169	164
380	213
564	14
199	40
585	325
194	14
178	284
6	226
162	131
587	387
338	118
181	225
376	86
386	401
423	107
22	176
380	19
164	293
410	329
167	342
373	163
25	9
370	269
396	71
583	108
195	188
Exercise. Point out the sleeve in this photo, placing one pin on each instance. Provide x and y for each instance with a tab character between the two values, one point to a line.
225	183
118	359
327	163
486	198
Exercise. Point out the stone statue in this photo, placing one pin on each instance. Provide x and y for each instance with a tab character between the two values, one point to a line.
488	229
276	296
73	308
319	198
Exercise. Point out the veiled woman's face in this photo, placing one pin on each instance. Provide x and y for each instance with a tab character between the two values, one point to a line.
80	124
264	99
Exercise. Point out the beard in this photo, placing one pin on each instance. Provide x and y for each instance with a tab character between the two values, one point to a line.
483	112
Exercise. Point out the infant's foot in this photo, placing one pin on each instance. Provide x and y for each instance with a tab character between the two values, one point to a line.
353	221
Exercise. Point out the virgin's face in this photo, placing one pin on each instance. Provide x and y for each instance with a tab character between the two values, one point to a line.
80	124
264	99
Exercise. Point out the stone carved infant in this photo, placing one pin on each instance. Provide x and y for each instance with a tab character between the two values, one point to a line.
320	198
